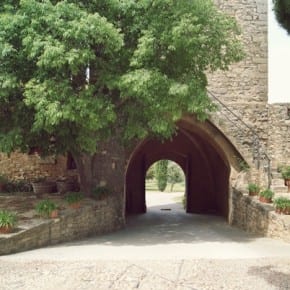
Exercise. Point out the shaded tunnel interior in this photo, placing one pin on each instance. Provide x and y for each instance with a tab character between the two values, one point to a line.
206	172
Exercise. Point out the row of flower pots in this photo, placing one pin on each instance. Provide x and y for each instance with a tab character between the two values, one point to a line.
60	186
282	204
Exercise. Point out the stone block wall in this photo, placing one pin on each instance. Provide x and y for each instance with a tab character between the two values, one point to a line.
244	87
279	134
258	218
23	166
245	82
96	217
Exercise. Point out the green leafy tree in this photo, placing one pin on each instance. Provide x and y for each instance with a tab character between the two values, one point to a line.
90	76
150	173
174	175
161	174
282	12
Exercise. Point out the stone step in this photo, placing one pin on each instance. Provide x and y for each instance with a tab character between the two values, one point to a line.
282	194
282	189
276	174
278	182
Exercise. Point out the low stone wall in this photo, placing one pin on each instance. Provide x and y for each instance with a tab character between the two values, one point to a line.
259	218
73	224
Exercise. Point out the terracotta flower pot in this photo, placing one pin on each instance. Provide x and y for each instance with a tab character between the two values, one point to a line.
5	230
54	214
75	205
264	199
253	193
283	210
287	183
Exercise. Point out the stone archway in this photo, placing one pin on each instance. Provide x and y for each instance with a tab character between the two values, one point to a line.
205	156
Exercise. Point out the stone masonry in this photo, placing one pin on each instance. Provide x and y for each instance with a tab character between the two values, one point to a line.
94	217
256	128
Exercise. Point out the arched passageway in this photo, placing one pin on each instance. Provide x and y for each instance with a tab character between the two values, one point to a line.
198	149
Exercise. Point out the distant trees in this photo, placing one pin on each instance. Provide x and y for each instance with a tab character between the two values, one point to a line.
165	172
161	174
282	12
174	175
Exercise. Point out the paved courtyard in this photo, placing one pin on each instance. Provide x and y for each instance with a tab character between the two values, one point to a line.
163	249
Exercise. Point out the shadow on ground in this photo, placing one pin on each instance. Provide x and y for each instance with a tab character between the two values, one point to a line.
272	275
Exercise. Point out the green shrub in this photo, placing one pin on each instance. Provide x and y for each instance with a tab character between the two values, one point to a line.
286	172
253	187
74	197
267	193
161	174
100	192
282	202
45	207
7	219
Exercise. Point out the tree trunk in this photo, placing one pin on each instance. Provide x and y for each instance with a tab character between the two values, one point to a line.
105	168
84	164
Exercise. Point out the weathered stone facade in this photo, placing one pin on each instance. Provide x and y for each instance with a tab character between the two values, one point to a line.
24	166
256	217
254	127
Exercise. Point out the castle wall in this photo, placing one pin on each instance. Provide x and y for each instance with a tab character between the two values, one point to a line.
243	88
279	134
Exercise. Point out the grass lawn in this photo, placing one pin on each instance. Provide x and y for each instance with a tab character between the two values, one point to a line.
152	186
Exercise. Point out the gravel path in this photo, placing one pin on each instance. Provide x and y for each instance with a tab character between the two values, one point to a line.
160	250
261	274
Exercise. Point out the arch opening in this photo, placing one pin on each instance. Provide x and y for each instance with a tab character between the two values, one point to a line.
165	186
203	160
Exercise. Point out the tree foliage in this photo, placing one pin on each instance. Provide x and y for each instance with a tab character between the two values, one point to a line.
150	174
282	12
174	174
73	73
161	174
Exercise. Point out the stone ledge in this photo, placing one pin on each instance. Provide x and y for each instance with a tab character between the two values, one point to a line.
91	219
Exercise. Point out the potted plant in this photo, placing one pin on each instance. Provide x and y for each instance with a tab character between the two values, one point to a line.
3	182
7	221
41	186
100	192
266	195
47	208
286	176
74	199
282	205
253	189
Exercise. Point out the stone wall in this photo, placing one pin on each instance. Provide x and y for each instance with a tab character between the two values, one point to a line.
93	218
245	82
243	88
255	217
279	134
23	166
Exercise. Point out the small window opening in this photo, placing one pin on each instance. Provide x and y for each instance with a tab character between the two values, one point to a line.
71	164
